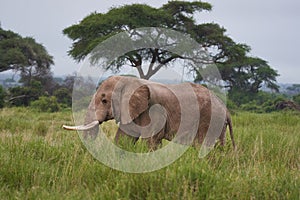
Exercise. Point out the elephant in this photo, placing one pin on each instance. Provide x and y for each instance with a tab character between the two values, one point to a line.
152	111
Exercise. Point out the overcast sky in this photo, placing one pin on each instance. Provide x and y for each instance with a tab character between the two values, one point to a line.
270	27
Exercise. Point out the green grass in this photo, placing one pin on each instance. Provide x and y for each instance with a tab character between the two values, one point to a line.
39	160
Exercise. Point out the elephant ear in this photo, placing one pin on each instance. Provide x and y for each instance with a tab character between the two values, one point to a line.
137	104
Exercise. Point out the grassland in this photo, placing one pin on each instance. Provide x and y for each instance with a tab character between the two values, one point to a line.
39	160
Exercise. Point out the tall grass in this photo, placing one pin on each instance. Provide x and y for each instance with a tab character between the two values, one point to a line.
39	160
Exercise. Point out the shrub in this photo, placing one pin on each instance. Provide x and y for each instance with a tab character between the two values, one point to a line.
46	104
252	106
257	102
2	96
296	99
19	96
64	96
230	104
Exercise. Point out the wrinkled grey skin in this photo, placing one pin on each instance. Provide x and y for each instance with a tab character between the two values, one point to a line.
111	98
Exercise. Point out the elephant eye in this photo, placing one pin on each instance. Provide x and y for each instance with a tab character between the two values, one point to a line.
104	101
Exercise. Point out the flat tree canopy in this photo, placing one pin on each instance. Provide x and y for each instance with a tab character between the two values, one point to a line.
238	70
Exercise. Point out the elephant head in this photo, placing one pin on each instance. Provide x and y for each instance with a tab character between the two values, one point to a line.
119	98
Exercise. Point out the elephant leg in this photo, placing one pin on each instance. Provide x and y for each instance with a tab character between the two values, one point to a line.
154	142
222	137
120	135
202	131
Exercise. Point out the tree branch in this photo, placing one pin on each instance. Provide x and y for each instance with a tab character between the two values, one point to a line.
137	63
152	71
153	60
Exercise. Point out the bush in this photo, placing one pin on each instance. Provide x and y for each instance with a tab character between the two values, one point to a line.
296	99
23	96
2	96
239	97
260	102
252	106
230	105
64	96
258	106
46	104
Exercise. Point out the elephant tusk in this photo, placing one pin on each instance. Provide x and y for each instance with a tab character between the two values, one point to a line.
82	127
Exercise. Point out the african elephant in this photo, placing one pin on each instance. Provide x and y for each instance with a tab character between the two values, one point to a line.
153	111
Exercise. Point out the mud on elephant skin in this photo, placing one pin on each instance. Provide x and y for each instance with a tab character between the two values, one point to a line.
155	111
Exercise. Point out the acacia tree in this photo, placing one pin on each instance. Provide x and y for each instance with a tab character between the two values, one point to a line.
178	16
24	55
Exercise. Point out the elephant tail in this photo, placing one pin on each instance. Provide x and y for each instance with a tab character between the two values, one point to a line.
229	123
